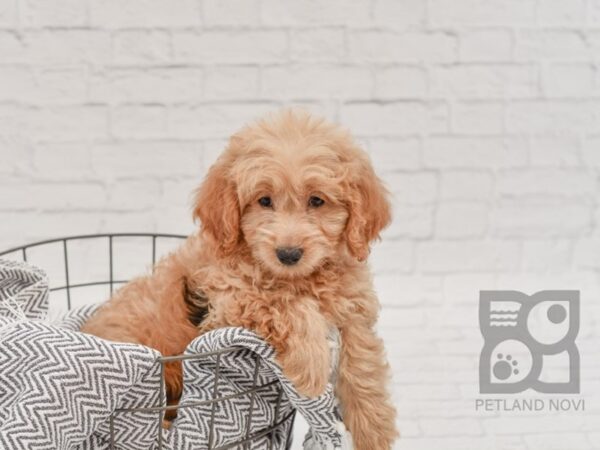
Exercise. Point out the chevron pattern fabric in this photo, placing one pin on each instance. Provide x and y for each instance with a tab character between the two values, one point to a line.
24	287
59	388
237	371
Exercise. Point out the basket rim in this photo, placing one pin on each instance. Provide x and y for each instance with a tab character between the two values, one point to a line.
91	236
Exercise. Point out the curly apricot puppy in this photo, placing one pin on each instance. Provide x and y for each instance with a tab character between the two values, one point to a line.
287	212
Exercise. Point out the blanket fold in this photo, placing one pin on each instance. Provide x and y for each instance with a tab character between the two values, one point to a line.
59	387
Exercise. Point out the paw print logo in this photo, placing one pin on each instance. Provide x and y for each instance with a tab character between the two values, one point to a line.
505	367
523	332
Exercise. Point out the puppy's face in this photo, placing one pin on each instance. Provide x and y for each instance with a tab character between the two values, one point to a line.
293	218
296	192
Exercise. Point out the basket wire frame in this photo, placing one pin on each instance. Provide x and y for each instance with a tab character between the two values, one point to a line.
287	421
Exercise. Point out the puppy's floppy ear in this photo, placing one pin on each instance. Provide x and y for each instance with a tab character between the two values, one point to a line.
217	207
369	210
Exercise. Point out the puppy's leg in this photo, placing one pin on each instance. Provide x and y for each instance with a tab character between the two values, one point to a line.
294	328
363	375
304	352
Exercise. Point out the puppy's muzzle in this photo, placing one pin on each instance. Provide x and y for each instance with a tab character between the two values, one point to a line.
289	255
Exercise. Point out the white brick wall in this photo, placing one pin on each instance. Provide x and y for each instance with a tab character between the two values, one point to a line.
483	116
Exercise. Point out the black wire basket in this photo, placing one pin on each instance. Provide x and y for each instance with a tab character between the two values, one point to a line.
68	290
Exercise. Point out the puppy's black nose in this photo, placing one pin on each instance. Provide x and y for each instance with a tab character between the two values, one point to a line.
289	255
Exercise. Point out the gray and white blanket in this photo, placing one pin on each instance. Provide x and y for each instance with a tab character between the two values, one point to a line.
59	388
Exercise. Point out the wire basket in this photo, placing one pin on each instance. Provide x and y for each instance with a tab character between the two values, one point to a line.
68	290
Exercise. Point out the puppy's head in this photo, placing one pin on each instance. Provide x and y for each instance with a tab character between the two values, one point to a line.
294	190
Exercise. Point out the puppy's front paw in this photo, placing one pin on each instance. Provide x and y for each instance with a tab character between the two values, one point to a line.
307	368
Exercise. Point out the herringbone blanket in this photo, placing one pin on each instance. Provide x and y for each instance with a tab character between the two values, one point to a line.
59	387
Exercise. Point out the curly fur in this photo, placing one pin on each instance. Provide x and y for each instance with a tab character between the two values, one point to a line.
230	264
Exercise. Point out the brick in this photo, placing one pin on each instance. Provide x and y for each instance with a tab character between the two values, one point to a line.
475	152
148	13
401	82
559	45
139	121
231	12
465	185
458	13
12	47
568	80
15	154
467	256
41	13
214	121
317	82
460	443
558	441
485	45
558	13
63	124
179	192
141	46
130	221
388	155
63	161
410	428
431	391
172	84
593	41
406	349
556	151
386	288
461	220
15	82
251	47
531	424
392	257
593	10
590	153
43	86
68	222
478	118
302	12
158	158
535	219
463	289
547	255
413	188
58	85
410	221
212	149
59	196
177	220
484	81
448	427
399	14
317	44
586	254
66	47
10	121
133	195
561	117
417	289
231	82
386	47
546	182
8	13
394	119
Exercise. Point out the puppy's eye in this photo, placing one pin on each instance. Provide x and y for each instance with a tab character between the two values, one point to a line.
265	202
315	201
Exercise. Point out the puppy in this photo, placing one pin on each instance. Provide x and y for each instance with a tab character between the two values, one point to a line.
287	214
